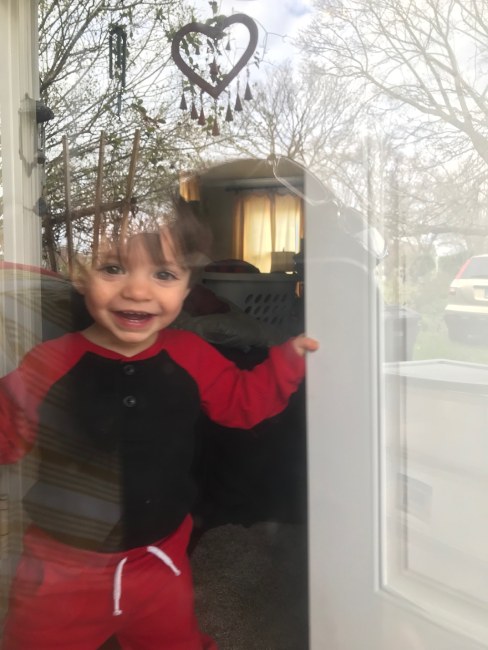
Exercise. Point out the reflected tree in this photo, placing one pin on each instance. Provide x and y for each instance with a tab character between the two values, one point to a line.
308	118
428	55
421	69
105	66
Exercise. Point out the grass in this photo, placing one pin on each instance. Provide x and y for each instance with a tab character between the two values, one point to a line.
428	298
433	342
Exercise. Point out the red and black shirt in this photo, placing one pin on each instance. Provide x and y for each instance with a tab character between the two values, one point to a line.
114	436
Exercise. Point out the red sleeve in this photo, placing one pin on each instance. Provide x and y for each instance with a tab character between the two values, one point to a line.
233	397
22	390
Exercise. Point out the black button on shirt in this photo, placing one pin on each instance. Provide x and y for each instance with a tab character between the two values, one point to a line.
129	369
129	401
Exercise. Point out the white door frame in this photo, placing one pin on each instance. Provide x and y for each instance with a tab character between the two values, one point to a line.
19	89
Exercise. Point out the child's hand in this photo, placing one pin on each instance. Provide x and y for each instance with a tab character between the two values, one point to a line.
303	344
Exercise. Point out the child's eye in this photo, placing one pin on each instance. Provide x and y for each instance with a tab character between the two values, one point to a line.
165	275
111	269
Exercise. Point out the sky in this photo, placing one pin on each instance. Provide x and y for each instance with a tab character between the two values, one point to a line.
279	21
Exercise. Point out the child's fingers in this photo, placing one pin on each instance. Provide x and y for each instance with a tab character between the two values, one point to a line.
303	344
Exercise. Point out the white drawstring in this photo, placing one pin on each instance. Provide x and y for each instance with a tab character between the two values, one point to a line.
164	558
118	586
117	590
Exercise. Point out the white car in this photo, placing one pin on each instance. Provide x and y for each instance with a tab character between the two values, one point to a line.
466	314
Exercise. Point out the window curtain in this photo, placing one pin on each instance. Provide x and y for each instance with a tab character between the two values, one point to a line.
266	222
189	186
288	219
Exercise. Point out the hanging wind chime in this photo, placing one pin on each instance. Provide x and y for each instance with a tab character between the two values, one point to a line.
212	77
118	60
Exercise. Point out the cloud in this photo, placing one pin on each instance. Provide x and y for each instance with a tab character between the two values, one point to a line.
298	8
278	26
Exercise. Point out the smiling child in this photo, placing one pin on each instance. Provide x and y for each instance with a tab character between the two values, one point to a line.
111	411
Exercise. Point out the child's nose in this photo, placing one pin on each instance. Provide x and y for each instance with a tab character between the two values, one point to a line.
136	287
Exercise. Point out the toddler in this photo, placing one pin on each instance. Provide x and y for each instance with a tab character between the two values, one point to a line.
111	411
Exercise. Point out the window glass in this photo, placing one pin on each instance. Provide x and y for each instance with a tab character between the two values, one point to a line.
103	145
432	300
374	118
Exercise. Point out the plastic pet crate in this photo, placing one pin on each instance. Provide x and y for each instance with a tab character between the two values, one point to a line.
268	297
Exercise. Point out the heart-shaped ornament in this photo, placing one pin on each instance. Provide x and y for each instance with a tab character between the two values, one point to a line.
214	32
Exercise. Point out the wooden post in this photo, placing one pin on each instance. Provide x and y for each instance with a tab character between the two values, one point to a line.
98	196
130	184
67	194
98	208
48	234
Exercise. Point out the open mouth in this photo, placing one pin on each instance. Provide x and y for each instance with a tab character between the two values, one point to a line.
134	316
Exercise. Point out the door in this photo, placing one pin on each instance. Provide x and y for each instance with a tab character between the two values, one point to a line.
397	470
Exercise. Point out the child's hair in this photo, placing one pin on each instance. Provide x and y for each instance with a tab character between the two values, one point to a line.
190	237
181	232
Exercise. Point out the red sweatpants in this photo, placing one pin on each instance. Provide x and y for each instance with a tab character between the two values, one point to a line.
64	598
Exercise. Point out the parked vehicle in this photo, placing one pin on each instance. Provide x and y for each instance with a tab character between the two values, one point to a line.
466	314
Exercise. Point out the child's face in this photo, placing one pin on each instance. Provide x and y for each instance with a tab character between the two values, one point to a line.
131	297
